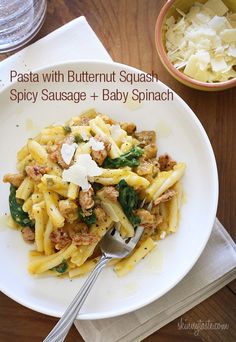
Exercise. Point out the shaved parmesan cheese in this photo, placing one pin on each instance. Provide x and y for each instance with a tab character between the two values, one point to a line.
195	35
202	18
83	133
218	64
217	6
67	152
193	69
96	145
170	21
202	42
232	51
218	23
79	172
180	12
203	59
229	35
118	134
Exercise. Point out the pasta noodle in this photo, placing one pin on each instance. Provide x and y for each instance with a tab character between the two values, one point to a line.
128	230
23	153
51	201
77	181
126	265
47	243
39	227
37	151
84	252
25	189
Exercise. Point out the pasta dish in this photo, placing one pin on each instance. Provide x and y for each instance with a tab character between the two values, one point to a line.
76	181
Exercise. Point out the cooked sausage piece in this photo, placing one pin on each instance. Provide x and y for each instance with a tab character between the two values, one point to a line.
100	156
54	152
156	166
28	234
84	239
150	151
145	168
86	200
146	217
75	228
110	193
56	157
170	193
129	127
100	215
166	162
60	238
36	172
69	210
83	121
14	178
146	137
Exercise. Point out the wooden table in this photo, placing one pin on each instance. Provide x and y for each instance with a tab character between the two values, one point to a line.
126	28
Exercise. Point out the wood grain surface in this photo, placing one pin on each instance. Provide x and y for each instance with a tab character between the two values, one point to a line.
126	28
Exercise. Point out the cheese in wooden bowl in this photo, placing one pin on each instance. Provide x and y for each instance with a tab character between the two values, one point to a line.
196	42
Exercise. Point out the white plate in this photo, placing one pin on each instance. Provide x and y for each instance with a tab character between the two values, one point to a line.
178	132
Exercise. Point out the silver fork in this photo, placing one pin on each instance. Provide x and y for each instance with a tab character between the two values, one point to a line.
112	246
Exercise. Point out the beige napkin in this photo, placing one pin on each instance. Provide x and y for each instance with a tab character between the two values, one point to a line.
217	265
215	268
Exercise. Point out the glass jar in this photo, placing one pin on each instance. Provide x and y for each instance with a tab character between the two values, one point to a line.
20	20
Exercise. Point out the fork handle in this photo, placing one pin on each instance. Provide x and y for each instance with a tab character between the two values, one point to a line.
61	329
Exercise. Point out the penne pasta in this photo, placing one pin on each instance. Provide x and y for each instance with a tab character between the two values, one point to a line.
174	208
37	197
130	177
21	165
46	138
98	127
73	191
47	264
27	206
83	131
47	243
84	252
87	267
127	228
25	189
22	153
165	180
126	265
83	148
51	201
39	227
37	151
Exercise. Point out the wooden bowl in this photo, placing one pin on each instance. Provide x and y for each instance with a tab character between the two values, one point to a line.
167	11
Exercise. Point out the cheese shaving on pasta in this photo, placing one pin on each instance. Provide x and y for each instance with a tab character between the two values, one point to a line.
79	172
68	151
96	145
